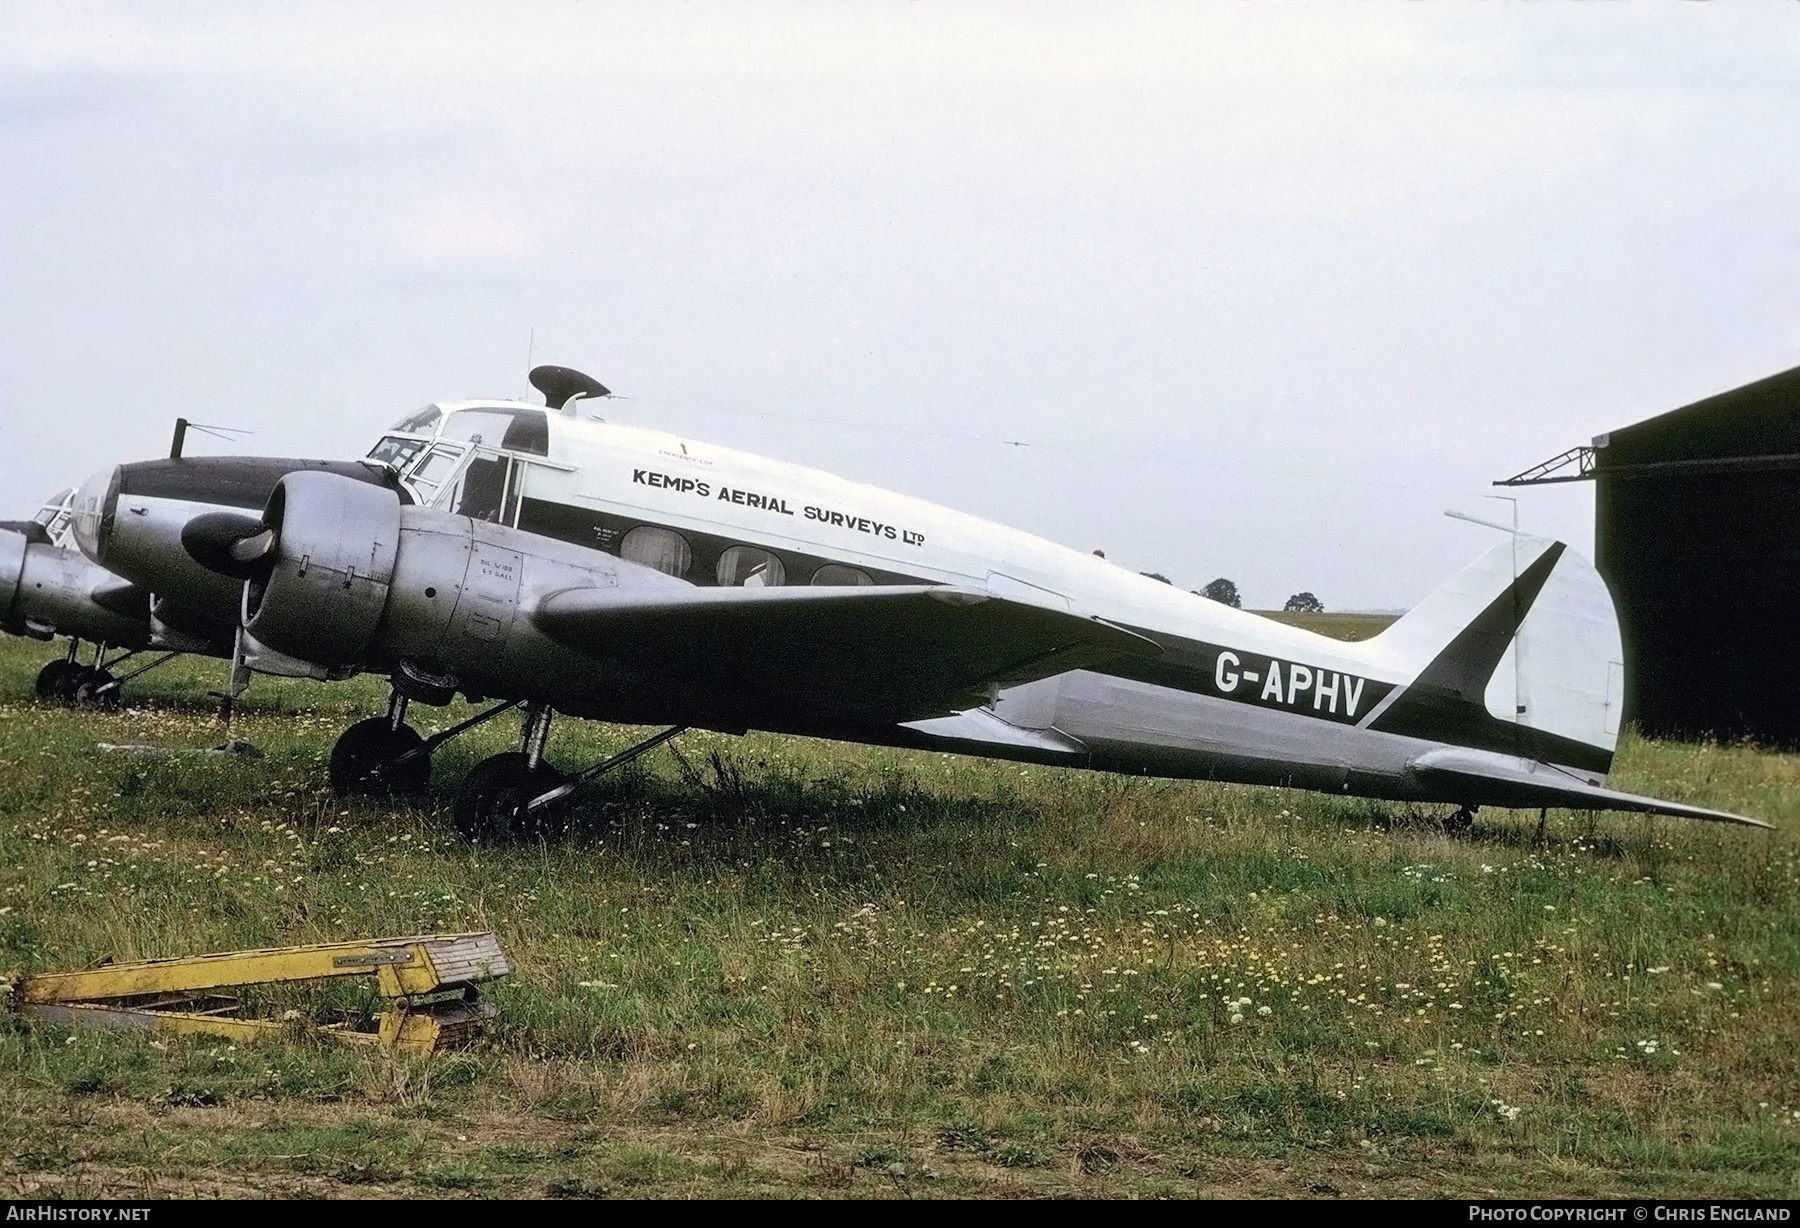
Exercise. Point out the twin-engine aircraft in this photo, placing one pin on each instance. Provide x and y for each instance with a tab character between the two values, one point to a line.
48	589
539	559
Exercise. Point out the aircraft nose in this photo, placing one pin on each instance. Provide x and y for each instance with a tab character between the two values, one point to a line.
91	516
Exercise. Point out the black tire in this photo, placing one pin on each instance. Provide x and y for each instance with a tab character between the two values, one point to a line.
96	688
51	676
490	806
361	761
68	683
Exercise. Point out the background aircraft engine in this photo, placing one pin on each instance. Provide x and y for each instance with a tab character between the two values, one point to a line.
46	590
326	550
12	565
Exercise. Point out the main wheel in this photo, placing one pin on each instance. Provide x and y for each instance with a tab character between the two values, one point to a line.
96	688
490	807
50	678
68	684
362	762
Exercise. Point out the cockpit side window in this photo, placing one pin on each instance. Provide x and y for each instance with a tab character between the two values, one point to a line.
483	493
429	473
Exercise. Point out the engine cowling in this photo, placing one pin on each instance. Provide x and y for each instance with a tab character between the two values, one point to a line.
328	565
12	565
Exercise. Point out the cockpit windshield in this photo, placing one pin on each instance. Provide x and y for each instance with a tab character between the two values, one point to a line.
58	502
54	514
420	421
396	450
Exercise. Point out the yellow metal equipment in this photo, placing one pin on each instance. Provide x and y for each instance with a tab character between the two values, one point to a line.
429	979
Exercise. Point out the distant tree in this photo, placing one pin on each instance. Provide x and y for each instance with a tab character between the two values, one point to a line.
1304	603
1224	592
1156	575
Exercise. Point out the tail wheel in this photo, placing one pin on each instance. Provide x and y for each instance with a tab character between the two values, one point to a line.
362	762
491	806
50	678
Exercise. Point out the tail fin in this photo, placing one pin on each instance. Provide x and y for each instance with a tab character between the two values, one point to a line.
1519	654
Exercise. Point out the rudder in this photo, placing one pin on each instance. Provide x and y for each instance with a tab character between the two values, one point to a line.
1519	653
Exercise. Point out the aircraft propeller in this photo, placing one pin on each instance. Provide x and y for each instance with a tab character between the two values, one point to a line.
231	544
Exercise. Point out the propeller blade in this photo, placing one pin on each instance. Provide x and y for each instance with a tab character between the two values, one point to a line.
253	549
230	544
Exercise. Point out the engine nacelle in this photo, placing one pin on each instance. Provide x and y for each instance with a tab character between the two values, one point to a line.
48	590
12	565
335	541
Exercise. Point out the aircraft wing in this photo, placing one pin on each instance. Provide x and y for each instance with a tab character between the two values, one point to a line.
890	652
1498	780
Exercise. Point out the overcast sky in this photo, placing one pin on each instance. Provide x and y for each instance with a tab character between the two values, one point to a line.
1252	291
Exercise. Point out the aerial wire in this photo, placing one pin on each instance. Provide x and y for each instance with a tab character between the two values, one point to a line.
1144	458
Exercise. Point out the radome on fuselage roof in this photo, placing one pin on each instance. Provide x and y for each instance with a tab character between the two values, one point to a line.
540	558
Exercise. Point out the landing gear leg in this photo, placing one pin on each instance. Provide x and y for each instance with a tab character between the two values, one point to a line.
237	681
79	685
372	758
534	733
545	800
96	688
1460	822
107	694
493	805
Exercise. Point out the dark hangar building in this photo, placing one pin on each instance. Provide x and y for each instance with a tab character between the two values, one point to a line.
1697	532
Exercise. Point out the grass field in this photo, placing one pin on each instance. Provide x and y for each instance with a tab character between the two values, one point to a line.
790	968
1337	626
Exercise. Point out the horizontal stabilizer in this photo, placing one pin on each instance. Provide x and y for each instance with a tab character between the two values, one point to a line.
894	652
1479	778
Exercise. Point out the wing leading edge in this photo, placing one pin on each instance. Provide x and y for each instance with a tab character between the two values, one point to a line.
892	653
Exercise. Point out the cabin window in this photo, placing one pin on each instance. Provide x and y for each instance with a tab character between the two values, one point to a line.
529	432
653	546
750	567
836	575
